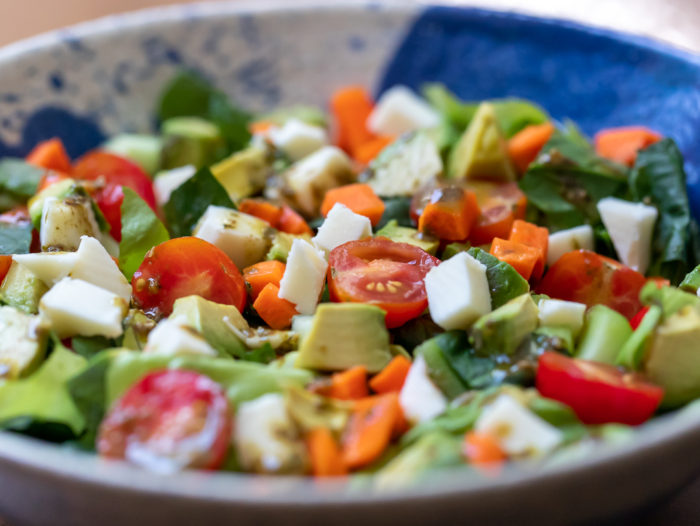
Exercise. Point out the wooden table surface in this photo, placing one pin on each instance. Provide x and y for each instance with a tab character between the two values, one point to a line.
675	21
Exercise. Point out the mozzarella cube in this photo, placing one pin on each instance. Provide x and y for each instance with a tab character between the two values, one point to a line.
420	399
298	139
63	222
244	238
559	313
174	337
631	226
96	266
458	292
49	267
519	431
76	307
310	178
580	237
340	226
266	438
304	276
399	110
165	183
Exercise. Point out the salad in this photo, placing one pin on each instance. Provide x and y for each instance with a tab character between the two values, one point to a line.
389	288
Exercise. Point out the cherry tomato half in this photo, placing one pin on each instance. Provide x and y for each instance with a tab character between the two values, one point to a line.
109	199
589	278
598	393
168	421
382	273
184	266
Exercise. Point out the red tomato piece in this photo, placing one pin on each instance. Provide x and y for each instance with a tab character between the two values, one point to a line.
637	318
598	393
184	266
109	199
5	262
383	273
589	278
168	421
496	220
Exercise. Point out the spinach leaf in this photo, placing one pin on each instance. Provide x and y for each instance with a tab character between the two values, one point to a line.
398	209
191	199
15	239
19	178
456	112
658	178
515	114
141	230
504	281
88	346
189	95
263	354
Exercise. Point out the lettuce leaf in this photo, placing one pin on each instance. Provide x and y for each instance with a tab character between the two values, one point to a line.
19	178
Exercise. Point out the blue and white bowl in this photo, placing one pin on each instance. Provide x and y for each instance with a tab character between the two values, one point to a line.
90	81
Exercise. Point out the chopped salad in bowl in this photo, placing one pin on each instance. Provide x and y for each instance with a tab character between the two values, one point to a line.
386	288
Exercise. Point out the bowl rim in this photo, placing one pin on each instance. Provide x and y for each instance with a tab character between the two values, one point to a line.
46	459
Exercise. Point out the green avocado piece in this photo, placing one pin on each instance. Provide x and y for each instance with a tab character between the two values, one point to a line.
136	328
143	150
505	283
58	190
673	358
670	299
481	152
22	289
23	343
343	335
453	249
403	234
215	321
282	244
439	369
691	283
604	333
560	339
191	140
636	347
501	331
244	173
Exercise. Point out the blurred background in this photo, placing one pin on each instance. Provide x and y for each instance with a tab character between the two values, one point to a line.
676	21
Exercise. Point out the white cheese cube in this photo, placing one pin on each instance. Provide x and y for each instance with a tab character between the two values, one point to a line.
244	238
76	307
458	292
310	178
399	110
631	226
49	267
580	237
519	431
420	399
173	336
63	222
340	226
303	277
298	139
96	266
266	438
165	183
559	313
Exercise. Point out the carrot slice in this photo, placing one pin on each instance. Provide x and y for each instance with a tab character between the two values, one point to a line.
292	223
366	152
521	257
622	144
261	209
325	455
358	197
275	311
369	431
351	106
259	275
483	451
452	216
391	378
350	384
533	236
260	127
51	155
524	146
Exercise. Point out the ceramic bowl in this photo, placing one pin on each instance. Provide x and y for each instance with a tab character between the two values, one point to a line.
89	81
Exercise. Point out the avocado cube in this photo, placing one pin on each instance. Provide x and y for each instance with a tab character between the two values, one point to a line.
23	343
22	289
403	234
504	329
244	173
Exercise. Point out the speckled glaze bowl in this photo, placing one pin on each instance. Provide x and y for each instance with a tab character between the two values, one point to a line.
89	81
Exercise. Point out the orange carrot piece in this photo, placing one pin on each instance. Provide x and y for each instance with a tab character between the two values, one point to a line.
51	155
358	197
292	223
391	378
261	209
325	454
622	144
521	257
350	384
275	311
351	106
259	275
260	127
524	146
451	216
370	429
533	236
366	152
5	262
483	451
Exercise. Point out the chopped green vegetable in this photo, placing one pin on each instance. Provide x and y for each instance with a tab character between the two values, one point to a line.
14	238
504	281
141	230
